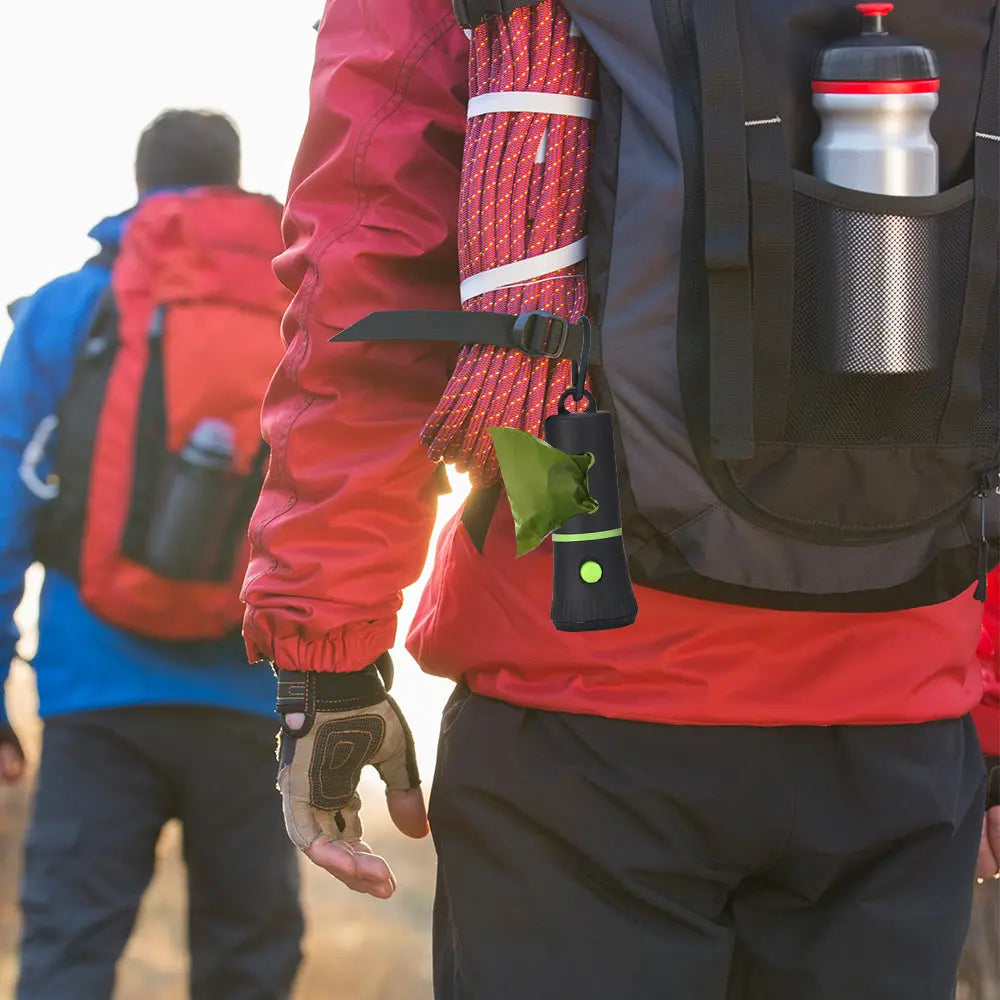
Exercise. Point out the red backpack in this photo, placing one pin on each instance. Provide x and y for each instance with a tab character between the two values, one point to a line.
160	458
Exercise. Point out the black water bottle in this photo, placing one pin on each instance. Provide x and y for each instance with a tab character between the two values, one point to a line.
591	587
190	527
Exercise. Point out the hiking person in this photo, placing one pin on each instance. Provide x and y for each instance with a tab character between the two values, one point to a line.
769	785
130	458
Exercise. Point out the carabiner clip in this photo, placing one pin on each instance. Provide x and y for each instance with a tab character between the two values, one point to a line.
580	367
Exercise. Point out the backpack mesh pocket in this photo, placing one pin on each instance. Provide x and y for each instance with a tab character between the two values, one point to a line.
879	290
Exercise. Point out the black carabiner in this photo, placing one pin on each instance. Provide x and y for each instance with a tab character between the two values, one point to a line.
580	367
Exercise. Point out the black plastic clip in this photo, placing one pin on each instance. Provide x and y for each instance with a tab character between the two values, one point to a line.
578	390
473	13
526	336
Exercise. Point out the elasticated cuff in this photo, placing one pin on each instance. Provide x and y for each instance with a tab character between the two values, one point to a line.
344	650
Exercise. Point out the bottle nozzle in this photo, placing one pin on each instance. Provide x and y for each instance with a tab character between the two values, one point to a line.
873	14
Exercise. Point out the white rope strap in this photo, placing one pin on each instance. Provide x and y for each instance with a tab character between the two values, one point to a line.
532	102
522	272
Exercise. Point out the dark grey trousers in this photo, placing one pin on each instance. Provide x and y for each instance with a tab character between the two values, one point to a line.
594	859
107	784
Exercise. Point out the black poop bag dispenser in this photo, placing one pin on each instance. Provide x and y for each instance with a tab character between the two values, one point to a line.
567	486
591	586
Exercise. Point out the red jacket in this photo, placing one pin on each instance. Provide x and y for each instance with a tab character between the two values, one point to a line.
345	517
987	715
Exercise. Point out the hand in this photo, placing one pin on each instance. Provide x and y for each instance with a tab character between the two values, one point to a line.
989	848
332	726
11	755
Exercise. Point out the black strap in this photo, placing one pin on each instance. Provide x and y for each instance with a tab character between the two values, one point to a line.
965	398
727	230
150	443
258	465
478	511
62	520
992	764
472	13
312	691
537	334
239	520
772	236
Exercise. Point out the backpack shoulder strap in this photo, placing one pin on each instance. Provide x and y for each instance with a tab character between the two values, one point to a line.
984	263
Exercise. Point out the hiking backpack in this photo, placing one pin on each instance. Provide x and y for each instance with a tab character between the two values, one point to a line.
159	456
750	471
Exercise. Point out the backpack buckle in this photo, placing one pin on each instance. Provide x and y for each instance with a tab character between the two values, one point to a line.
473	13
534	332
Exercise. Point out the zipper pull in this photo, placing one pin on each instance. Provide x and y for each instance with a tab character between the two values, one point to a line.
984	548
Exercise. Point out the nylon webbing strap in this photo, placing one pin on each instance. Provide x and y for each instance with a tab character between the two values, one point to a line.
531	102
258	465
727	228
150	441
772	237
523	272
537	334
472	13
984	266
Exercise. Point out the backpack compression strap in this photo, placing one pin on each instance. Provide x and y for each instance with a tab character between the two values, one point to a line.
538	334
984	262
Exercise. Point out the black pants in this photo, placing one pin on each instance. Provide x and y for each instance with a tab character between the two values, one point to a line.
591	859
108	782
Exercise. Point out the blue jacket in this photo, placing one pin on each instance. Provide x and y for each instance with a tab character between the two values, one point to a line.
83	663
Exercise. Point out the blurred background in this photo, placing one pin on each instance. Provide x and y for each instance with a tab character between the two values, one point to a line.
79	83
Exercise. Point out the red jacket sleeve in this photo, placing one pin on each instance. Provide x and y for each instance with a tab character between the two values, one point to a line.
987	715
346	513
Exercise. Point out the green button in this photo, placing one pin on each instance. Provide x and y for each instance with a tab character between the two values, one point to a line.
591	572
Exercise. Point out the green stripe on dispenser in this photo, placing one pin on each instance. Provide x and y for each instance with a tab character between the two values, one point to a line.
588	536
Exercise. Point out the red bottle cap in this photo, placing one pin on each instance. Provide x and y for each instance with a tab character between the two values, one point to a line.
875	9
